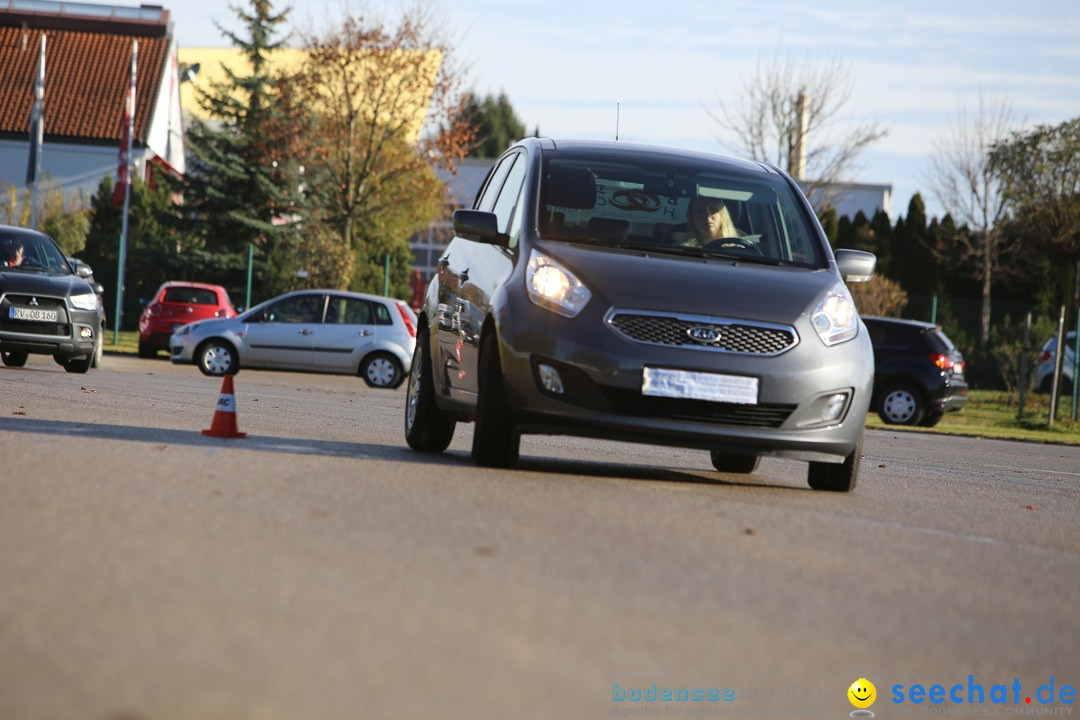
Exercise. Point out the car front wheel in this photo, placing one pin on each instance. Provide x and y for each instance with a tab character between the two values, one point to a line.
496	438
381	370
729	463
78	365
427	428
901	404
15	358
217	358
837	477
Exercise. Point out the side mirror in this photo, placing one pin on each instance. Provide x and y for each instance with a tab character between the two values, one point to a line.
83	270
479	226
855	265
97	288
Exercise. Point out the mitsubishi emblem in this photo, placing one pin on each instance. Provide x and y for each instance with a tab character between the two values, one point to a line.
33	301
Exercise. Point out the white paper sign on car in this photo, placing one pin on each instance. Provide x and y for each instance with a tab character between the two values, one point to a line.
714	387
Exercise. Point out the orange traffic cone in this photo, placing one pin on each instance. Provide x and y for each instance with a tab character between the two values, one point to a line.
224	423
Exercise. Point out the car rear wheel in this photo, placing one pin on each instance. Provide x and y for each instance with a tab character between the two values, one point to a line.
837	477
932	418
217	358
78	365
15	358
427	428
729	463
901	404
381	370
496	438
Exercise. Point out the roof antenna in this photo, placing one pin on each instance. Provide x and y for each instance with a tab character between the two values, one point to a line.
616	122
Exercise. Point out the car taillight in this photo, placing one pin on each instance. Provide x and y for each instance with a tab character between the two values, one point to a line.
154	308
1045	356
945	362
407	319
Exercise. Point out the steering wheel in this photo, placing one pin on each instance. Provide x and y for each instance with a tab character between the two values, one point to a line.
732	243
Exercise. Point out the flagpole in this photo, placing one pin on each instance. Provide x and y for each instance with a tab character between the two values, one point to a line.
122	255
37	132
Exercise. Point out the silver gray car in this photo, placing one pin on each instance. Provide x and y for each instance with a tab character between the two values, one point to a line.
327	331
648	295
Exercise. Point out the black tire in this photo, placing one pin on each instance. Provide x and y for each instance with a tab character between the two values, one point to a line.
729	463
901	403
146	351
496	438
78	365
837	477
382	370
427	428
217	358
932	418
15	358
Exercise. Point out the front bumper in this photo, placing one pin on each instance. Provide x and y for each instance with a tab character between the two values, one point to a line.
74	335
602	377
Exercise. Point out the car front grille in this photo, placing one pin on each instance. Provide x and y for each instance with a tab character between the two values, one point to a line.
733	336
628	402
24	327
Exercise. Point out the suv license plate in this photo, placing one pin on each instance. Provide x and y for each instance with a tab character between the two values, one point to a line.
33	314
713	387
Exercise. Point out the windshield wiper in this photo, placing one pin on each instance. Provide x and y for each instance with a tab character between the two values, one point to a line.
741	257
623	245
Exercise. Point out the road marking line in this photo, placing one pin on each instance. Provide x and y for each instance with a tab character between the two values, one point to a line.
1035	470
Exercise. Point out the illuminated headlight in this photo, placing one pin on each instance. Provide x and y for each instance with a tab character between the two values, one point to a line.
86	301
552	286
835	319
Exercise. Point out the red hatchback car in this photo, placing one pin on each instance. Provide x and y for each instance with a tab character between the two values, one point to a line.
178	303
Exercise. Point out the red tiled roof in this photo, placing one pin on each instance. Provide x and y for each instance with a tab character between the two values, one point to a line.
86	82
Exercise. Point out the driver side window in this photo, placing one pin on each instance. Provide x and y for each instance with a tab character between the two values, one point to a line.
303	309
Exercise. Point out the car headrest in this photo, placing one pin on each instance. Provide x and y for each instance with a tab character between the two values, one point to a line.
570	187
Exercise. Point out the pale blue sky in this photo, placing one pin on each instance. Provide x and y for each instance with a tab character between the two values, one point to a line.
564	65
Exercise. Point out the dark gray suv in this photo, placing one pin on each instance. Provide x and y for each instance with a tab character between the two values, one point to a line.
47	307
647	295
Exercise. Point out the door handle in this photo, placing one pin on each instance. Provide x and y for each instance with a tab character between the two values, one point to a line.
305	331
365	333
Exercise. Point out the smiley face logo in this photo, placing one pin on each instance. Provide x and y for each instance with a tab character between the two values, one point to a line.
862	693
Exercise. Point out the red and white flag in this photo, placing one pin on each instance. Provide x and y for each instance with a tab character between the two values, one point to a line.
127	130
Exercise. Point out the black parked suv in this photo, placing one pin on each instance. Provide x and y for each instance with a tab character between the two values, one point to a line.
46	306
919	373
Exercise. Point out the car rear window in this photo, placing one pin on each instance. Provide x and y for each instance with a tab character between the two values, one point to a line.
191	296
939	341
621	201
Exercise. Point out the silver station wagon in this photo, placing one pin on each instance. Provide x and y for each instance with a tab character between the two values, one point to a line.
647	295
327	331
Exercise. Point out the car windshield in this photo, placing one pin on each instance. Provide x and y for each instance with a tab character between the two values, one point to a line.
31	253
698	210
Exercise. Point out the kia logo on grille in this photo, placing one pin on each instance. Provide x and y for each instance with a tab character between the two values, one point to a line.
703	334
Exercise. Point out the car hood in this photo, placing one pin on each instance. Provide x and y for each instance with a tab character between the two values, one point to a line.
15	281
214	325
723	288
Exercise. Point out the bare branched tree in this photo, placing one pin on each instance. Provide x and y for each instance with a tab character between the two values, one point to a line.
971	193
791	110
389	103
